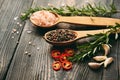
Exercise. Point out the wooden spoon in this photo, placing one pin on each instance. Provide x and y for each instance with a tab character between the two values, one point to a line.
91	21
79	35
82	20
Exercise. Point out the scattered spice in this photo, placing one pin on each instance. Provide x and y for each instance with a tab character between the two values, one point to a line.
26	52
13	37
17	32
18	23
38	48
60	35
29	43
15	18
28	31
14	30
43	18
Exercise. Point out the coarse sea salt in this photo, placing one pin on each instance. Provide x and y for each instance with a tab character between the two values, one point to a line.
17	32
38	48
28	31
13	37
43	18
20	25
29	43
15	18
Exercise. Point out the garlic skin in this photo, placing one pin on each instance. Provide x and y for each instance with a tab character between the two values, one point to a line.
99	58
108	61
106	48
94	65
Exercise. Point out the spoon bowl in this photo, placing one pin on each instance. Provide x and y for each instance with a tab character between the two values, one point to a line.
77	34
48	19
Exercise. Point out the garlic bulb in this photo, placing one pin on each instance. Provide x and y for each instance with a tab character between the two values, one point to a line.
108	61
99	58
106	48
94	65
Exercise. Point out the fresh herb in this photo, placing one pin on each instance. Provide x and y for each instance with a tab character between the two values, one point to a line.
89	10
89	49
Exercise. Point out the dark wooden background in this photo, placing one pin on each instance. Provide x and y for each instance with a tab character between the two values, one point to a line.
24	55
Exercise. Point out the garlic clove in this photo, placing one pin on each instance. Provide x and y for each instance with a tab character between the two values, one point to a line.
106	48
108	61
99	58
94	65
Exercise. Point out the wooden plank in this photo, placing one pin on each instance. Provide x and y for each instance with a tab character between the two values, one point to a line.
32	59
1	2
118	59
33	64
112	72
8	41
38	66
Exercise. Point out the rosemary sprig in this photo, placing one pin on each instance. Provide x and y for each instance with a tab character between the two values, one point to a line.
89	49
89	10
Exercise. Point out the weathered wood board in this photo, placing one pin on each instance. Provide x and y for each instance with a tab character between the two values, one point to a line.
25	55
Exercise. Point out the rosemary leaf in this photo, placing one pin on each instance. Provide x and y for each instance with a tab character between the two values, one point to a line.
91	48
89	10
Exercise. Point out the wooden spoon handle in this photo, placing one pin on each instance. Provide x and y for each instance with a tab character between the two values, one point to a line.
92	21
82	34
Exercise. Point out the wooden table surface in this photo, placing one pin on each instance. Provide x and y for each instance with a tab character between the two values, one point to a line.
22	60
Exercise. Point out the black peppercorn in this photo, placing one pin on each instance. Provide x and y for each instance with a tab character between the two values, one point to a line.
60	35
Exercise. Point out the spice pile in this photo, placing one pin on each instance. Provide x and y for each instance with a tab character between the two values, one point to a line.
61	60
61	35
43	18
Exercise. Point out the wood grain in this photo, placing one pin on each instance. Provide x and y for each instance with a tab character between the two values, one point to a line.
8	41
26	55
91	21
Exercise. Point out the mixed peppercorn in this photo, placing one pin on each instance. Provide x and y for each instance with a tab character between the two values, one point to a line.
61	60
61	35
